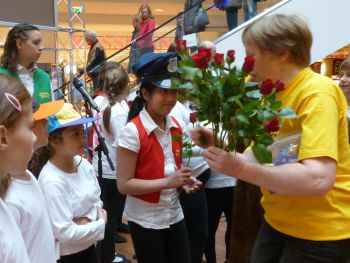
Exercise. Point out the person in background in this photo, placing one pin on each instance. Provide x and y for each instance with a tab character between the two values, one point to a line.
114	84
70	187
23	48
231	8
306	202
134	49
16	147
344	81
147	25
249	9
96	56
150	166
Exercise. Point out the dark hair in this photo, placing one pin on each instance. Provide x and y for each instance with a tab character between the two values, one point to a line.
9	58
113	81
43	154
139	101
9	115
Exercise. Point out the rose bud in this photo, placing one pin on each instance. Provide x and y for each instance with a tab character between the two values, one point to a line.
279	85
219	59
201	60
207	51
230	58
193	117
272	125
266	87
248	64
181	45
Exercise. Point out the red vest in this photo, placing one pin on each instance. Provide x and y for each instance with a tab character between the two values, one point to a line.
150	159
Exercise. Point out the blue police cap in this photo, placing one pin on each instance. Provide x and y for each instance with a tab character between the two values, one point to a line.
156	68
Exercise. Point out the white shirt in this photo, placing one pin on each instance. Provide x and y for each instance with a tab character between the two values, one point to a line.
12	248
168	210
69	196
119	116
27	77
182	113
28	207
219	180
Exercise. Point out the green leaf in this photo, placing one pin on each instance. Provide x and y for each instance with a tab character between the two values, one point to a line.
262	154
187	86
242	119
287	113
251	85
275	105
187	62
265	139
234	98
255	94
188	152
268	115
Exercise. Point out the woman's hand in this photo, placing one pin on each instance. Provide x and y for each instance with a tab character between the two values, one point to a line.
224	162
101	213
180	178
202	137
193	187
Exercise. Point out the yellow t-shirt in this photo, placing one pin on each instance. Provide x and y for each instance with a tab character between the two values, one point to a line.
321	108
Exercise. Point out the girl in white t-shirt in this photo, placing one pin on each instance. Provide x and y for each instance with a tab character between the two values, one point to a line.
149	166
70	188
16	147
114	86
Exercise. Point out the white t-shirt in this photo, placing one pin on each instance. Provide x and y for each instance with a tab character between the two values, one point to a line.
69	196
182	113
12	248
119	116
168	210
27	205
219	180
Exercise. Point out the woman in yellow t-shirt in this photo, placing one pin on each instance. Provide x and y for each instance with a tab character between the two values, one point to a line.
306	203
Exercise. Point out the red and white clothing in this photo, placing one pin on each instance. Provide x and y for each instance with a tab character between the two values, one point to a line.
146	26
168	210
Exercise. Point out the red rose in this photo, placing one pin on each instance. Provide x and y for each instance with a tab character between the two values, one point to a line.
230	56
181	45
201	60
207	51
219	59
193	117
266	87
248	64
272	125
279	86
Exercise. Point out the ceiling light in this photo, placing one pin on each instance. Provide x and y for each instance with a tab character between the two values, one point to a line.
159	10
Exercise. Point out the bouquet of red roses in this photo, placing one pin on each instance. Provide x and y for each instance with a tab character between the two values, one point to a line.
240	112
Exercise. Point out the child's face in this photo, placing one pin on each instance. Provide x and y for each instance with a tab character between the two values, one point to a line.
73	141
41	133
20	144
344	82
161	101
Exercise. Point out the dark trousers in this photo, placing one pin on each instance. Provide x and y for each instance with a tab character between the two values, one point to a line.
232	18
146	50
86	256
220	200
195	211
168	245
273	246
113	203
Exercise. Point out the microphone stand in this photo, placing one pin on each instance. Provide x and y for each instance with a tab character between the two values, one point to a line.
102	147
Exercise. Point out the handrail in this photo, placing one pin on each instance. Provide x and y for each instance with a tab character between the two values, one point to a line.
128	45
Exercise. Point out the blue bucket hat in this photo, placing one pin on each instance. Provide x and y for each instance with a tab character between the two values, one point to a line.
157	68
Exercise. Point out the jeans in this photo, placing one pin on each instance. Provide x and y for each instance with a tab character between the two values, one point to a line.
232	18
168	245
195	211
220	200
272	246
249	9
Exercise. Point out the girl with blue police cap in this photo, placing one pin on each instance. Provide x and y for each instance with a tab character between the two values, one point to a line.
149	166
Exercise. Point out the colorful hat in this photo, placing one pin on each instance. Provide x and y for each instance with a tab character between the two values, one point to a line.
157	68
44	110
67	116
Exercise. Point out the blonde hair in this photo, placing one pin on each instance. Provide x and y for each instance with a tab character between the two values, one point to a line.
113	81
9	115
279	33
148	8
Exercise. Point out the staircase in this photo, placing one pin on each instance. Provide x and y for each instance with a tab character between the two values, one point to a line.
328	21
